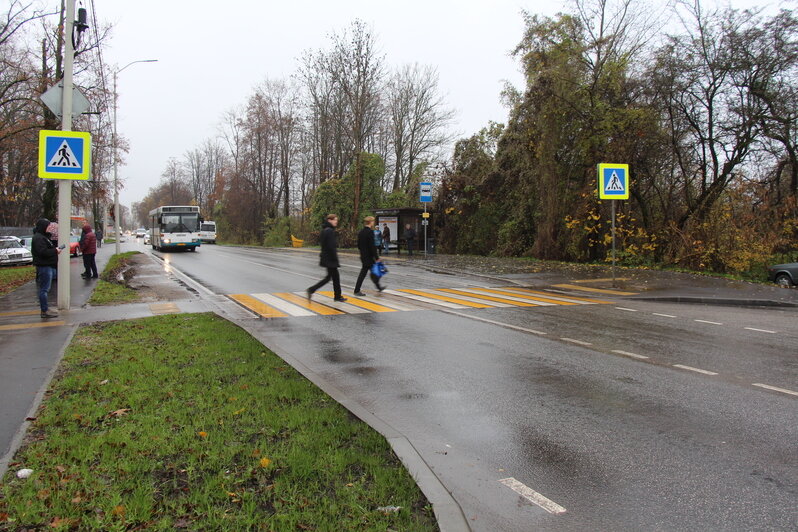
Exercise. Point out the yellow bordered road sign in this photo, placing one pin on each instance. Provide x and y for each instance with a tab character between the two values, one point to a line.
613	181
64	154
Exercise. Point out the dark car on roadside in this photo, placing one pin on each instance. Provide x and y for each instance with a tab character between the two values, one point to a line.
784	274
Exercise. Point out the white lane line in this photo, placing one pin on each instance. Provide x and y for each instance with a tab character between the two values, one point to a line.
775	389
760	330
493	322
690	368
663	315
580	342
533	496
626	309
709	322
628	354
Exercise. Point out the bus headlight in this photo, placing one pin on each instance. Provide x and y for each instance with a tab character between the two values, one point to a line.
167	241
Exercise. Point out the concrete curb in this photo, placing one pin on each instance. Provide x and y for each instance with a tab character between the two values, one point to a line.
19	436
448	513
717	301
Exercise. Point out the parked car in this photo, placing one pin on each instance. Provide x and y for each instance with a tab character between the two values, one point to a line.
147	238
784	274
13	253
74	246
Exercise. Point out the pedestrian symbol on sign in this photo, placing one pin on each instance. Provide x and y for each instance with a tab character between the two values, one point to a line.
64	157
615	183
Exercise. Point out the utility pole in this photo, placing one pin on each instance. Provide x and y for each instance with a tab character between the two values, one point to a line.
65	185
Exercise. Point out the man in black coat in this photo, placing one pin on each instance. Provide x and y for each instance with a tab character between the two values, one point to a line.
329	257
45	258
368	255
410	238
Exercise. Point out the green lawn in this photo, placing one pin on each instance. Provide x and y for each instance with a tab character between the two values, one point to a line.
187	422
12	277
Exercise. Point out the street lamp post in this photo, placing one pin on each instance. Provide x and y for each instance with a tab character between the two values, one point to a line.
116	180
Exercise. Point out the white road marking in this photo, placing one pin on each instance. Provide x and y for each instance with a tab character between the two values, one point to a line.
628	354
493	322
626	309
663	315
423	299
580	342
283	305
690	368
533	496
775	389
709	322
760	330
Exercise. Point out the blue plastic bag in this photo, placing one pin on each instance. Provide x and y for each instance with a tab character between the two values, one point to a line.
379	269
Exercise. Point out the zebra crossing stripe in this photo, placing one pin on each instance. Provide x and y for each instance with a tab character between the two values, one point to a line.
373	307
556	298
310	305
454	300
284	306
425	299
259	307
544	301
340	305
510	302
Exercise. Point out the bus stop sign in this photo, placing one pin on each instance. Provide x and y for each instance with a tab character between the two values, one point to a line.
426	193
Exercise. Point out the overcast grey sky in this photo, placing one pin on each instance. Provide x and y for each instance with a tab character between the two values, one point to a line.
211	55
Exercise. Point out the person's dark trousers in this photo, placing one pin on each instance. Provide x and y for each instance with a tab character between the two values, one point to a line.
332	273
363	271
410	244
44	276
89	266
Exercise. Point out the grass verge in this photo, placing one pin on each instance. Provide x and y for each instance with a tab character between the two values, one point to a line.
110	290
187	422
13	277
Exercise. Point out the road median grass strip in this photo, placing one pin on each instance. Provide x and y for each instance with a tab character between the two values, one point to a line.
187	422
110	289
13	277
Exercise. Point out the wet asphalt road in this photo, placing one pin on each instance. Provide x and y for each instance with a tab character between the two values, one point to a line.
562	401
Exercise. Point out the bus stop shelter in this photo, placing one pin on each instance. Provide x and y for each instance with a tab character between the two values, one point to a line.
397	219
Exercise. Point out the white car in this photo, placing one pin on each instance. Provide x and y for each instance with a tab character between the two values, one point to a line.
147	239
140	232
13	253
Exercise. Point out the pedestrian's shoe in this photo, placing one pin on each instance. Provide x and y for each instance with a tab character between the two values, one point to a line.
340	298
308	293
380	288
84	275
49	314
360	293
95	276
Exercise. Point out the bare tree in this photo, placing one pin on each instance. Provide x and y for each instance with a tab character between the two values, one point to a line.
418	119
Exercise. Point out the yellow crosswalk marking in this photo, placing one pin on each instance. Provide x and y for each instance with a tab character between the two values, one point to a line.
368	305
258	306
444	298
489	298
310	305
20	313
31	325
597	290
531	296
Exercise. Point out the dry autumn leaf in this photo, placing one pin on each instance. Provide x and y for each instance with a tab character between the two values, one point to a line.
265	462
202	434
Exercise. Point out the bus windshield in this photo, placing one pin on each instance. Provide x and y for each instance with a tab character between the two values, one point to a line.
179	223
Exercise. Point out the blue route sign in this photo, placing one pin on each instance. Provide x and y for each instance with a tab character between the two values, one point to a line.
426	193
613	181
64	155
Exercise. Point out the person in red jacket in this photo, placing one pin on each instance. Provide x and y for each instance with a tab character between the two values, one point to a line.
88	246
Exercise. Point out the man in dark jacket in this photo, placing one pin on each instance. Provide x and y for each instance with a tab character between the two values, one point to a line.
329	257
45	258
88	246
368	255
410	238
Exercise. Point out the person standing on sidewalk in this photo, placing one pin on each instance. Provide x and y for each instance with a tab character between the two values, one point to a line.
368	255
410	238
88	247
45	258
386	237
99	234
329	257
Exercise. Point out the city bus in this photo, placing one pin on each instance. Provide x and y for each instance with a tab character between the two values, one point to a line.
207	231
175	227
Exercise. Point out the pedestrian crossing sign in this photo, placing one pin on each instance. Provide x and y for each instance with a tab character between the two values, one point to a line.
613	181
64	155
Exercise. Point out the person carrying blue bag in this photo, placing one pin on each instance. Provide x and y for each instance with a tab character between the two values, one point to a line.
368	256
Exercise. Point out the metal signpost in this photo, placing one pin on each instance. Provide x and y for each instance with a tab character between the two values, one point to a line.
613	184
425	197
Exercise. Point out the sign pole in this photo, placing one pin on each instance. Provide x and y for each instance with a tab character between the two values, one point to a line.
65	185
613	243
